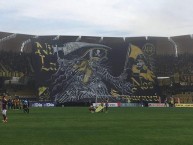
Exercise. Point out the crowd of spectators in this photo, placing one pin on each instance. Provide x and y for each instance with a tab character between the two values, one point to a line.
167	65
15	62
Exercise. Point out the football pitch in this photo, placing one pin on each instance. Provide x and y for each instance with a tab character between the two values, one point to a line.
77	126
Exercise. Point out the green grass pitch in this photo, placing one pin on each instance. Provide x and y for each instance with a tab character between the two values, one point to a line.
77	126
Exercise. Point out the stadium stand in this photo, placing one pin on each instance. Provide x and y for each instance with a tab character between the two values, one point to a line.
173	60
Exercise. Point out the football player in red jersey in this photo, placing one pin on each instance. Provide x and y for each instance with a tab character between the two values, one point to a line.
4	109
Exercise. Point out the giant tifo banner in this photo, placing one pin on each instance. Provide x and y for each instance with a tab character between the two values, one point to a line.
68	71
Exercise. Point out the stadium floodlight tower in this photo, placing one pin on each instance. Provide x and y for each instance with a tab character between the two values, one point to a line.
191	36
24	43
56	37
8	37
101	39
175	46
78	39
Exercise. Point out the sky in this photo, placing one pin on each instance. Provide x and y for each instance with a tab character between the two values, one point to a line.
110	18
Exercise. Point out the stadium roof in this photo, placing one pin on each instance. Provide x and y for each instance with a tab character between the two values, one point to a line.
22	42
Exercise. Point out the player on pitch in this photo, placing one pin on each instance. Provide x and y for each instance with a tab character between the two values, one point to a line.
4	108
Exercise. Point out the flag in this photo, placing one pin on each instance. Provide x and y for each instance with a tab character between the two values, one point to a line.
134	51
140	67
42	90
